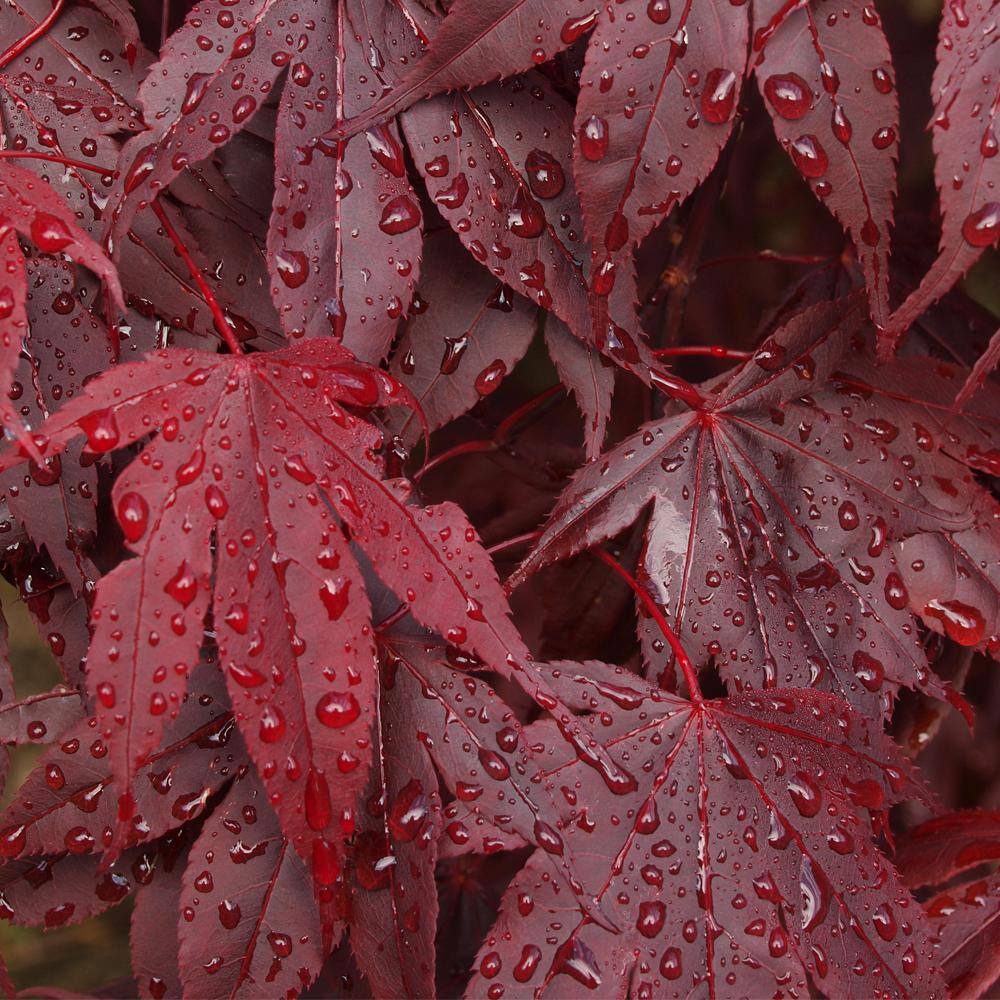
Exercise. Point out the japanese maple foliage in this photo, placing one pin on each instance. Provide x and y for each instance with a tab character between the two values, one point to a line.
475	560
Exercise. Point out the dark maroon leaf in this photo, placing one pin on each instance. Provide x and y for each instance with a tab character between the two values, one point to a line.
964	129
742	864
482	41
465	332
941	848
659	93
772	514
827	80
252	925
70	801
345	235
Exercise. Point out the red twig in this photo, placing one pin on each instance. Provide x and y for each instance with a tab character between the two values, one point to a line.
221	323
466	448
38	31
512	543
500	437
705	350
506	426
23	154
653	610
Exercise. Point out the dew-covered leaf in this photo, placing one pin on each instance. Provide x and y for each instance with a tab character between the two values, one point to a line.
772	514
965	127
253	925
345	234
283	580
743	863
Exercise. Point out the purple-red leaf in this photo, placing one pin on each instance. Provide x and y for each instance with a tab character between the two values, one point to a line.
743	863
345	234
772	514
964	127
251	924
465	332
827	79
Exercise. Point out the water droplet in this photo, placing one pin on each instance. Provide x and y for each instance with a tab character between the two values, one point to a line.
292	267
809	156
335	595
337	709
133	515
319	811
194	93
525	217
962	623
805	794
545	174
718	98
788	94
489	379
593	136
399	216
982	227
658	11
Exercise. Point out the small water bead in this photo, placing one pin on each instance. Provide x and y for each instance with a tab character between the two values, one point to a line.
651	918
272	724
527	966
183	585
437	167
809	156
399	216
101	429
658	11
841	125
453	196
895	591
337	709
789	95
545	174
489	379
575	27
386	149
594	139
805	794
49	233
718	98
319	811
525	218
194	93
292	267
963	623
982	227
884	137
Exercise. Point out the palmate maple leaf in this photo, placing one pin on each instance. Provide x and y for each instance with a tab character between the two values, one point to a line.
347	205
743	864
964	127
241	508
660	92
30	208
965	917
773	508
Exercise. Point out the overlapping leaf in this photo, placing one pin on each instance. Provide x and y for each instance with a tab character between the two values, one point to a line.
965	917
965	128
32	209
772	513
743	865
660	91
258	459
